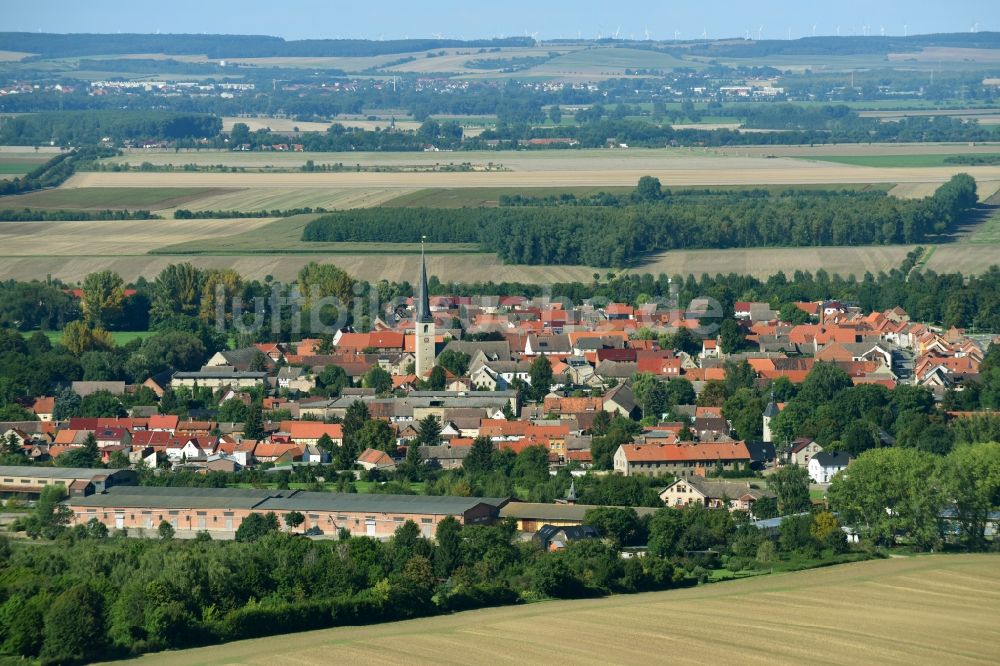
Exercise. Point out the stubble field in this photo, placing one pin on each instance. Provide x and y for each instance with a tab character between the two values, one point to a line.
925	610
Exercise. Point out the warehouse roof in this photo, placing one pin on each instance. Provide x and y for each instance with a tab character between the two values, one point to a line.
39	472
279	500
377	503
540	511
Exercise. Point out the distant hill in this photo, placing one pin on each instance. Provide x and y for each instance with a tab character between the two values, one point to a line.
49	45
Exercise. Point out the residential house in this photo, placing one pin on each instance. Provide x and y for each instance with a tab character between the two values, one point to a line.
713	494
825	464
680	460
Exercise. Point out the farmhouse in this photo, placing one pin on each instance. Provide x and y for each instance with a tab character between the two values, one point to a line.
712	494
220	511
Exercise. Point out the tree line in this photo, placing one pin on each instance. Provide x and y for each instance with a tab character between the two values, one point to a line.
620	235
55	171
69	128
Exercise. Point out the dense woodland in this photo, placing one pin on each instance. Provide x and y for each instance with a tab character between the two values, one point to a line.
653	220
73	128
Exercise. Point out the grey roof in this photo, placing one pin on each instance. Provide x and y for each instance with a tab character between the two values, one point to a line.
622	395
277	500
540	511
718	488
492	350
377	503
771	410
832	458
444	452
55	472
83	389
153	497
619	369
550	343
220	372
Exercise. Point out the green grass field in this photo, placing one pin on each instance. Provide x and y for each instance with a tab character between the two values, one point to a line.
88	198
893	161
988	233
120	337
933	609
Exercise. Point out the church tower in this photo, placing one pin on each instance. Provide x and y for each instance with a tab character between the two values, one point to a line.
424	325
769	413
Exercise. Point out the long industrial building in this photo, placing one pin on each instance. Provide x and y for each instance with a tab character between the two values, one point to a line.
220	511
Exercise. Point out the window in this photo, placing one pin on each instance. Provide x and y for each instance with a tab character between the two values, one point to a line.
8	480
201	513
426	520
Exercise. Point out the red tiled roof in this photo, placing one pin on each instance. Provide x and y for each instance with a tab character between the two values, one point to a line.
708	453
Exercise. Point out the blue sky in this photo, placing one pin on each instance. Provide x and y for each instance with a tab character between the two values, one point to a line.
300	19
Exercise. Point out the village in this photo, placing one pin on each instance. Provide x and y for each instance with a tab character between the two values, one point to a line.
536	374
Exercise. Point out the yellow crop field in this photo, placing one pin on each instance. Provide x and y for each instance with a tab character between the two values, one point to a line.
938	609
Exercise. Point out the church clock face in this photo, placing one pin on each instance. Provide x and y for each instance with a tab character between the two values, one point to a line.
427	339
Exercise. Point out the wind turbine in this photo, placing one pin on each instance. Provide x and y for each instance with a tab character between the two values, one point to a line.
619	29
789	32
760	33
905	30
646	29
704	33
882	30
677	34
814	29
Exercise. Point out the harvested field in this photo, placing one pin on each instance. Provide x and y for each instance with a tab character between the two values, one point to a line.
110	238
13	56
276	198
153	196
914	190
863	149
275	124
949	54
907	161
920	610
36	261
700	171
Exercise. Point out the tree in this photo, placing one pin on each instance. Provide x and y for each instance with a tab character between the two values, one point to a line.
971	478
354	419
890	493
619	525
87	455
648	189
744	410
257	525
666	529
332	380
325	442
378	379
293	519
429	431
377	434
101	404
165	530
532	465
826	531
78	338
438	378
823	382
540	376
791	486
74	627
253	428
480	457
731	336
455	362
101	302
793	314
233	410
177	291
448	546
680	391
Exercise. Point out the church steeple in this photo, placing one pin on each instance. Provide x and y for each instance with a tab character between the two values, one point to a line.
423	299
426	352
